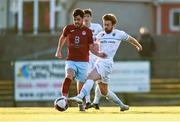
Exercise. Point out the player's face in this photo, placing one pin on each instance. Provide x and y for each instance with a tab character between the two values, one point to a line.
78	21
108	26
87	19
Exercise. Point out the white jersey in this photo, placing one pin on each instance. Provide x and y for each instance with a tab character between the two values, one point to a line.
96	28
110	42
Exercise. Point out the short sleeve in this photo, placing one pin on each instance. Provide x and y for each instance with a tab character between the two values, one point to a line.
124	36
65	31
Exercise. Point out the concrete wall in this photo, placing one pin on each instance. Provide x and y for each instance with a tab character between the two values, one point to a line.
27	47
131	15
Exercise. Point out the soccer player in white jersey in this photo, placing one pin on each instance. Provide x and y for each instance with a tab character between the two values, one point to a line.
96	28
110	40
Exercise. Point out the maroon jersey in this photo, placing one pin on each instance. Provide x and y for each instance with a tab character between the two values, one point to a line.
78	40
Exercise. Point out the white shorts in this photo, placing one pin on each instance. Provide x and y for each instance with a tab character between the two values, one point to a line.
104	69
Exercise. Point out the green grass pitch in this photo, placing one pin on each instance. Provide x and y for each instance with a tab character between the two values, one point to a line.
105	114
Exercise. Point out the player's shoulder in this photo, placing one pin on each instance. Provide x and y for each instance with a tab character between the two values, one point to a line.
120	32
70	26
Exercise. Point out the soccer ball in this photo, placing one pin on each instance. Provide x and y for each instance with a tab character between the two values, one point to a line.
61	103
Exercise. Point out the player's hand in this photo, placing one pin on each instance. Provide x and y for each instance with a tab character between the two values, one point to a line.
102	55
96	47
139	48
58	54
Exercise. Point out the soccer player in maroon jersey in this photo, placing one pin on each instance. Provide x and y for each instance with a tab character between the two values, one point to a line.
79	41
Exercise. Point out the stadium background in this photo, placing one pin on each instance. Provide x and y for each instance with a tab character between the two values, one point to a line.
24	37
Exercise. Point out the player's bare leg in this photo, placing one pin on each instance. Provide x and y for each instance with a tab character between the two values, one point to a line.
67	82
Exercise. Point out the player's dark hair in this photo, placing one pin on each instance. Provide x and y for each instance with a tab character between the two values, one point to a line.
110	17
78	12
88	11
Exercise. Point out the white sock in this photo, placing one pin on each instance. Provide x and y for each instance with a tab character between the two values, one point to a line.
97	95
88	98
112	96
86	88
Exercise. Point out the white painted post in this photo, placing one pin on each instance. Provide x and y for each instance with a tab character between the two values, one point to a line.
20	16
36	17
52	16
63	13
158	19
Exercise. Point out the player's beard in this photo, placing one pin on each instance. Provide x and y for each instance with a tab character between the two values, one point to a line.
108	30
78	25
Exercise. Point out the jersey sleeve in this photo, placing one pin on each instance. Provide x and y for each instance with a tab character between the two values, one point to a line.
65	31
124	36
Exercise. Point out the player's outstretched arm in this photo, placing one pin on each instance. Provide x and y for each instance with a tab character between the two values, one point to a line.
94	48
135	43
61	42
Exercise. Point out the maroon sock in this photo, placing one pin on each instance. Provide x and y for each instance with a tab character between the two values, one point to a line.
65	86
